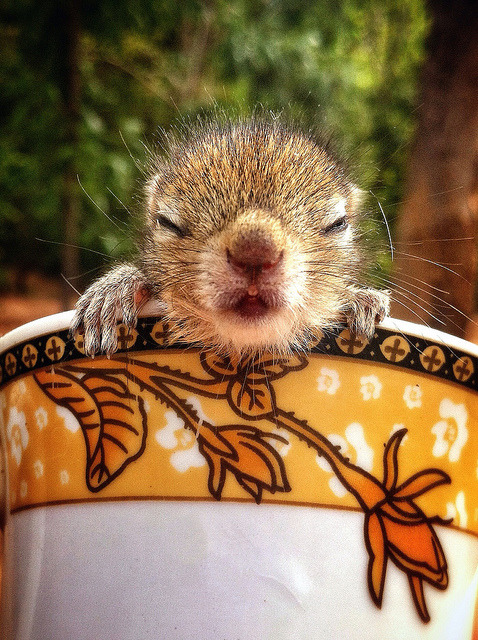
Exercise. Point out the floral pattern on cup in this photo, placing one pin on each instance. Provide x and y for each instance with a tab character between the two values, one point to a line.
396	527
38	469
282	444
328	381
116	416
451	432
370	387
412	396
399	427
456	510
41	418
174	436
17	434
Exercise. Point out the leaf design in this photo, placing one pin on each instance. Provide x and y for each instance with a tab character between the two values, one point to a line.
249	391
218	366
112	419
415	548
416	587
257	369
273	368
251	400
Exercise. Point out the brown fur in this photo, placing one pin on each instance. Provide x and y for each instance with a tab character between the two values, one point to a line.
244	211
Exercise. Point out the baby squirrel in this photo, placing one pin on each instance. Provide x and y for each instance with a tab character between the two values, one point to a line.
250	243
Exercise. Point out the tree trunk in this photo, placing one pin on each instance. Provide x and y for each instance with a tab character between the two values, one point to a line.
70	259
436	258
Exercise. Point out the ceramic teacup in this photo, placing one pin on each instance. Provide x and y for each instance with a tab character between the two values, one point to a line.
172	493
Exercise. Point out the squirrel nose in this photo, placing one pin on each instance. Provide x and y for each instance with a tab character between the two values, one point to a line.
254	262
255	243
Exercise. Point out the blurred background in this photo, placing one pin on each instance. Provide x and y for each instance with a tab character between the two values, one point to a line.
85	87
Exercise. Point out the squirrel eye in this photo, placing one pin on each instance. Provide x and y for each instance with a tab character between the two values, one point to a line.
167	223
339	225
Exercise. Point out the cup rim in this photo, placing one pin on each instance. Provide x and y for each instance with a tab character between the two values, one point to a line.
61	321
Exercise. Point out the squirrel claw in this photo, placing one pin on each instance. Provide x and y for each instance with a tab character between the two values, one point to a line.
117	295
368	307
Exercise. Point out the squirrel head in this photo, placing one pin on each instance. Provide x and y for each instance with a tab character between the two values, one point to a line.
251	235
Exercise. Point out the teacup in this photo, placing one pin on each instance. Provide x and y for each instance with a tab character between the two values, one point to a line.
169	492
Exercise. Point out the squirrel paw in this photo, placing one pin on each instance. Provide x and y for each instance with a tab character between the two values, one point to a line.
367	308
117	295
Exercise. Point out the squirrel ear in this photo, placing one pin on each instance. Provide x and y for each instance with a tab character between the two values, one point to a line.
150	195
355	199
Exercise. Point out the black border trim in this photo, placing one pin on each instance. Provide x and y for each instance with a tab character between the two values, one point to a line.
415	353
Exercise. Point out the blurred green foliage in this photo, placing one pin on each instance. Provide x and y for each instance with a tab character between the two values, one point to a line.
350	67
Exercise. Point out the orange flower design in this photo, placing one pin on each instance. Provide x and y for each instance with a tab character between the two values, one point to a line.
245	452
397	528
107	402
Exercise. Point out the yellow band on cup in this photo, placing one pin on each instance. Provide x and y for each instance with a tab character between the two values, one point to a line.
386	427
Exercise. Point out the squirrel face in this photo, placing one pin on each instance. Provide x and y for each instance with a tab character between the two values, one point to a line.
250	236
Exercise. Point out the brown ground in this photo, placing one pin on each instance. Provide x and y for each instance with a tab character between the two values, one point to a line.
42	297
17	310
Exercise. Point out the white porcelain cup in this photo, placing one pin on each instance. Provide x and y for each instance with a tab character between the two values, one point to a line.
170	493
